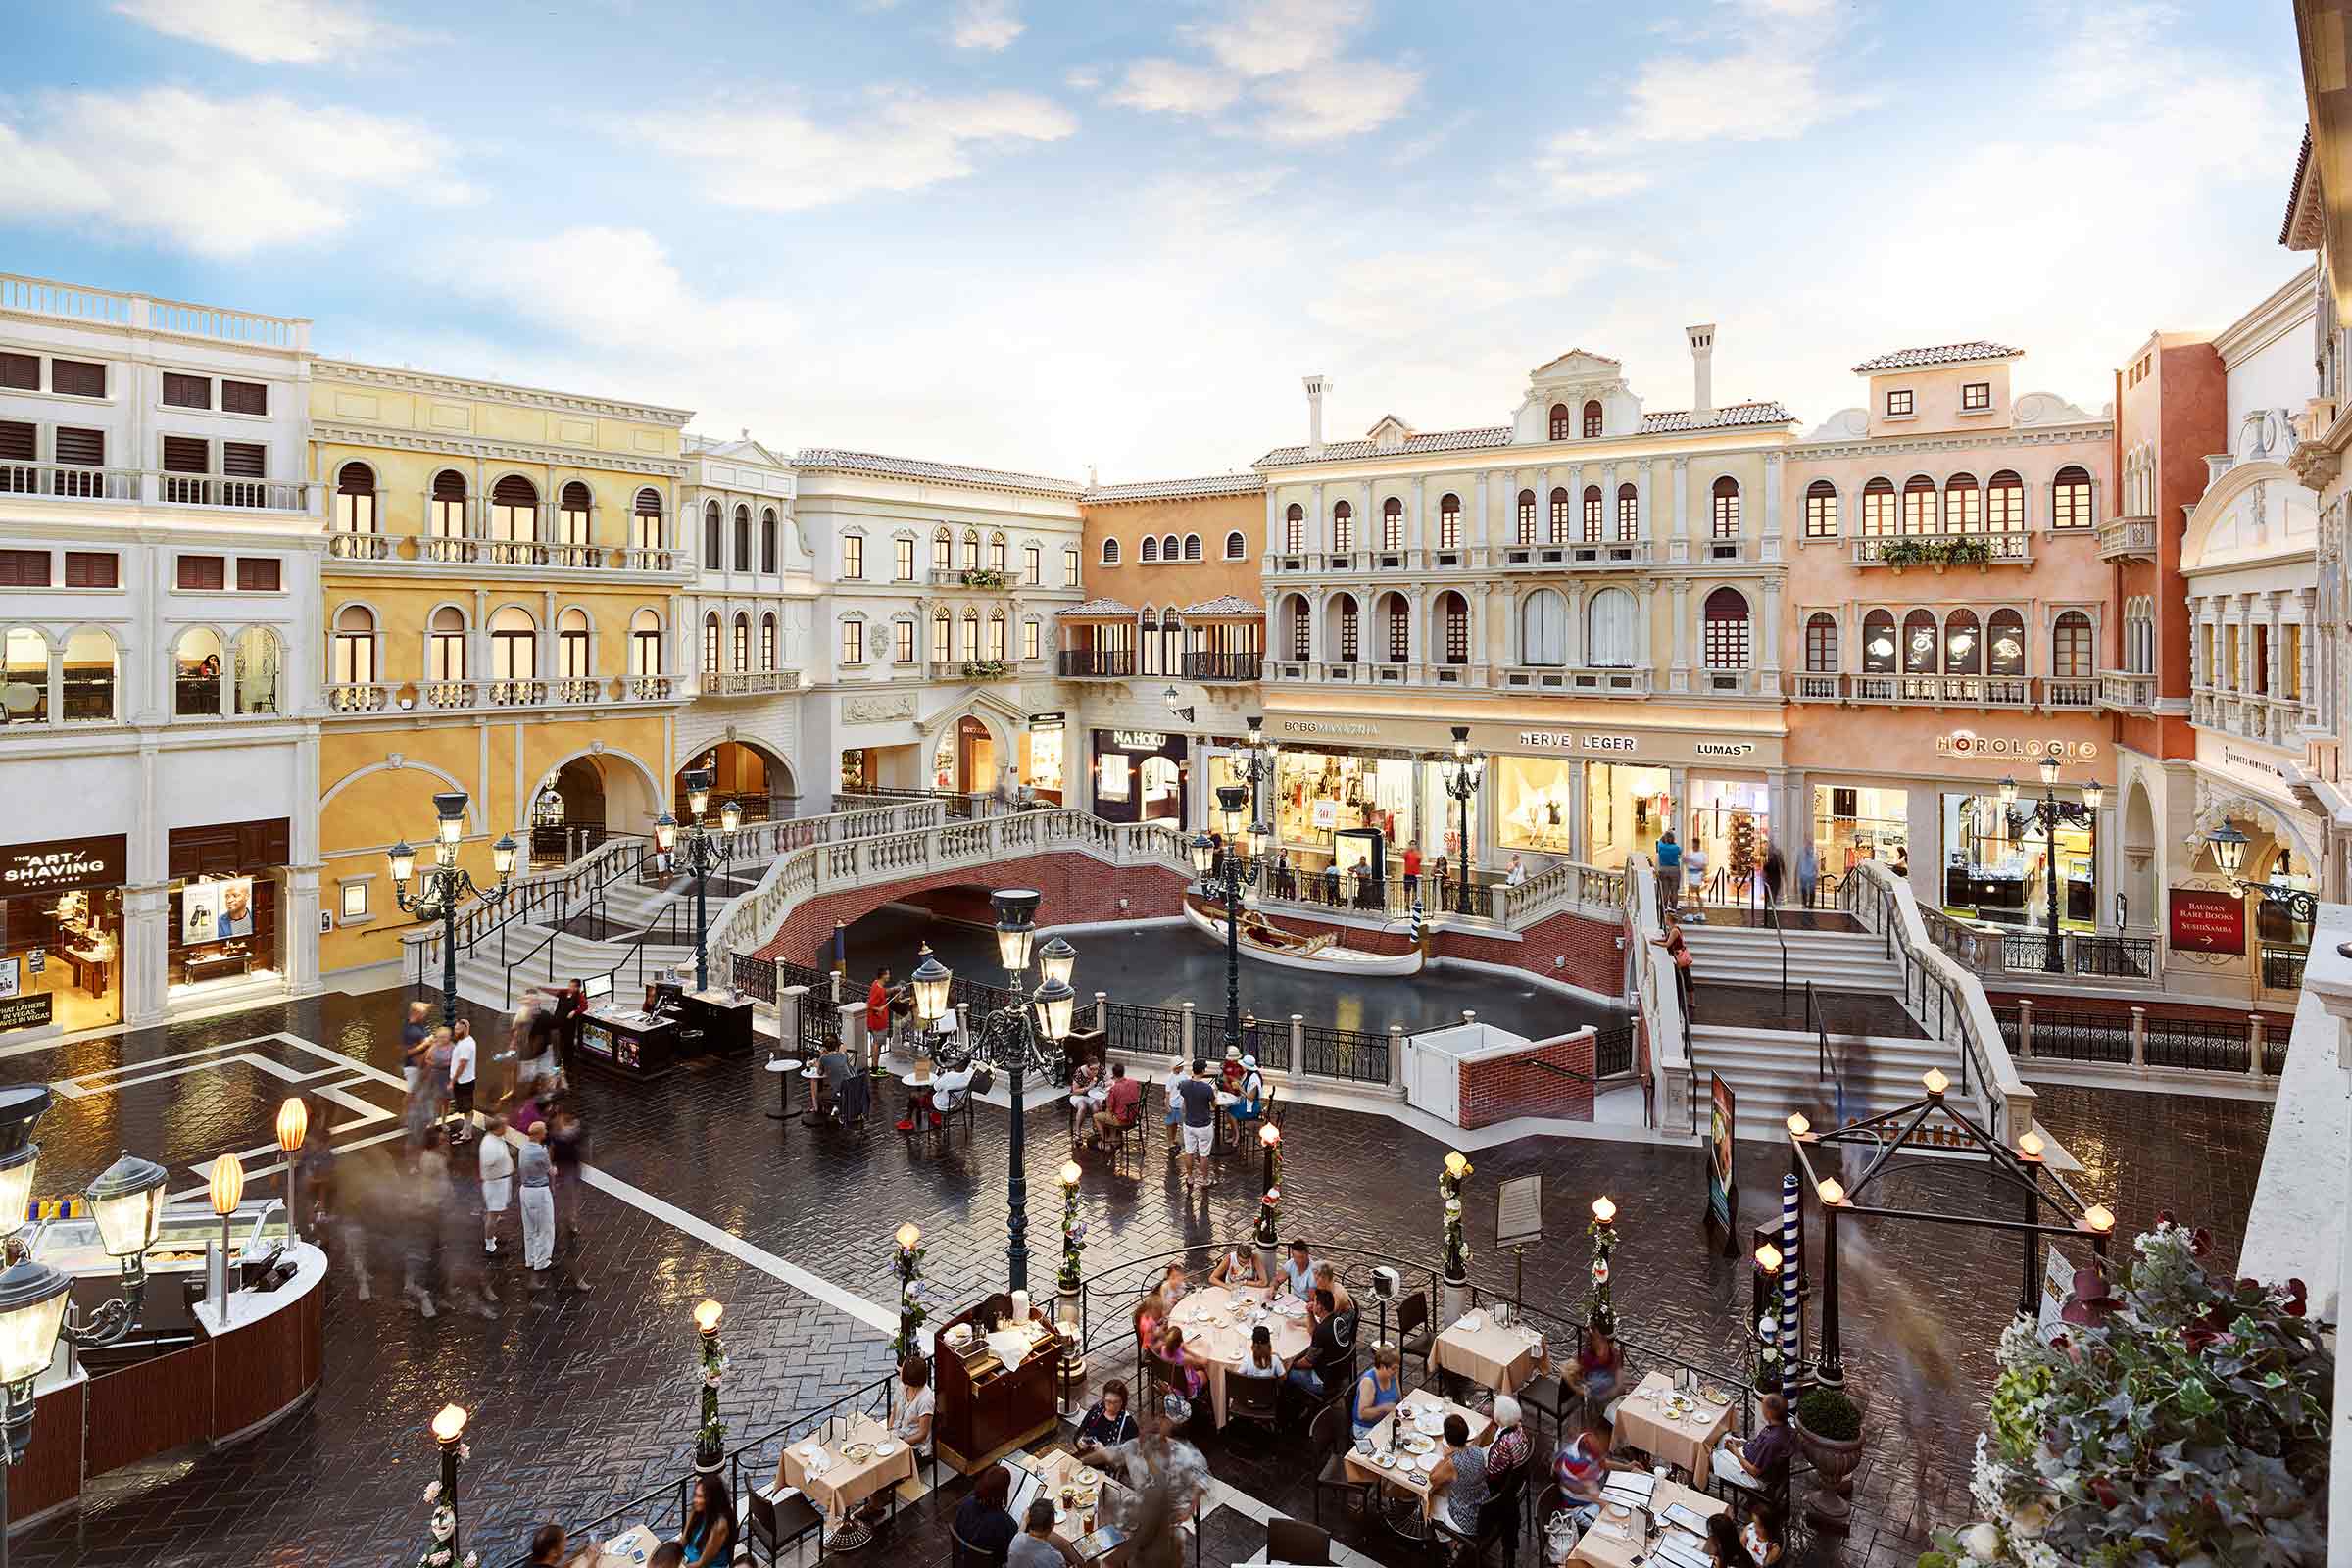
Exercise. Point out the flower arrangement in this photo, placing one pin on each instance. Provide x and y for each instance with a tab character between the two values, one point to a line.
1073	1242
710	1436
443	1552
986	668
1458	1249
913	1294
1599	1313
2185	1410
1768	1353
985	577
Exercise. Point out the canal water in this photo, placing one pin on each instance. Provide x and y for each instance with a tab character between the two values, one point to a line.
1166	965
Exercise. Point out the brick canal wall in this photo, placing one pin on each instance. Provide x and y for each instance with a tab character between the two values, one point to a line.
1503	1087
1077	888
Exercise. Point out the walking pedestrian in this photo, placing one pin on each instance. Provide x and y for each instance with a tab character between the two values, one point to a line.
463	1064
424	1099
412	1035
1775	872
566	1144
496	1162
427	1197
1198	1095
1670	870
1679	952
534	1172
1808	873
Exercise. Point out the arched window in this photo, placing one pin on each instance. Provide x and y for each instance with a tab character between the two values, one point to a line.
1342	528
971	550
1150	556
996	552
1303	627
88	675
742	639
1963	644
970	646
445	645
1919	505
1400	630
1527	518
1560	424
258	658
2070	498
2070	646
354	499
1629	514
645	520
1877	509
1963	504
1878	643
943	555
1612	629
942	636
1821	643
24	653
645	643
768	642
1821	510
1919	643
1453	627
1543	628
1343	612
514	509
1593	514
2005	503
354	655
767	539
1391	524
2005	640
1192	547
1591	417
572	661
743	537
196	676
1559	517
446	513
714	559
997	645
1726	637
710	663
575	508
1449	521
1110	550
1236	547
513	654
1724	510
1168	547
1293	528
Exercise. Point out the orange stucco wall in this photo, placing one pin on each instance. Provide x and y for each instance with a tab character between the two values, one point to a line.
1163	586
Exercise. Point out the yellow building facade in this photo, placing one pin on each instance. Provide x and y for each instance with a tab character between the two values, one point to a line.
501	597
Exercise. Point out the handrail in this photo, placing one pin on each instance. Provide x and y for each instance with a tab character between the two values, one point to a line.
1658	996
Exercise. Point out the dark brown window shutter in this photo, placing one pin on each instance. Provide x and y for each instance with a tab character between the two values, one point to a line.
187	391
449	485
24	568
244	397
649	504
184	454
355	479
257	575
515	491
16	441
77	378
576	497
83	447
244	460
91	568
21	372
202	572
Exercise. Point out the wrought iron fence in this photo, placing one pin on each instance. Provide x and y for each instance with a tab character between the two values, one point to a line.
2207	1045
1268	1040
820	1031
2200	1045
2071	1035
1145	1031
1613	1052
2116	958
2282	967
1356	1056
765	979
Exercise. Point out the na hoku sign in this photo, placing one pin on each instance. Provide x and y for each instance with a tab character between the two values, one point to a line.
2207	921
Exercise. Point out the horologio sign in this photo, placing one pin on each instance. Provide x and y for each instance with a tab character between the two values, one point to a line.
61	864
1968	742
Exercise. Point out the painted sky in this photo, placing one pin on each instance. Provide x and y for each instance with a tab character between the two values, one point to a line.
1044	236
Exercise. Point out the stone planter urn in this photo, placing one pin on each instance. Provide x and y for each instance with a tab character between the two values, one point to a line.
1834	1464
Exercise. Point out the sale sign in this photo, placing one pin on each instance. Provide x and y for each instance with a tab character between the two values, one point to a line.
2208	922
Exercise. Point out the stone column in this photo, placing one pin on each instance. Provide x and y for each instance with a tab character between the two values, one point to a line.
1577	651
1644	531
1188	1032
1769	635
789	1002
1679	547
1416	535
145	953
1318	528
302	935
1680	592
1646	600
1574	522
1772	505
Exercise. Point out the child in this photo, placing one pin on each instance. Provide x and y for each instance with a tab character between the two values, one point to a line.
1262	1361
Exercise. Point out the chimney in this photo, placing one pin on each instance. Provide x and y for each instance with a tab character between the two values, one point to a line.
1315	387
1702	368
1090	476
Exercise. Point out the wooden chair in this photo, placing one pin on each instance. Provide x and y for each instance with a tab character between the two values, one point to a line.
1257	1399
777	1523
1328	1438
1290	1541
1414	1336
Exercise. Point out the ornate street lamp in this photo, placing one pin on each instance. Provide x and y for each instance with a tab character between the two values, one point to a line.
1021	1037
444	885
449	1431
710	1436
2049	811
1226	868
705	851
2230	855
1462	771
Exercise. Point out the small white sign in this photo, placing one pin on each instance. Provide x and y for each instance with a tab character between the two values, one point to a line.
2057	1284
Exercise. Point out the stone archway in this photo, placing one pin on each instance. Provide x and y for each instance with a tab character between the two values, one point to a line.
586	798
2139	856
969	756
746	771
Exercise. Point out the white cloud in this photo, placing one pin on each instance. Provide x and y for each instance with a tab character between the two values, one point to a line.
1082	78
1389	296
785	161
1757	94
221	177
1351	97
1282	35
570	281
1166	86
990	25
271	33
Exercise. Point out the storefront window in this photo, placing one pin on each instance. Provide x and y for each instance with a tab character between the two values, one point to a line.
1998	865
856	770
63	964
26	697
1318	793
1730	819
1042	762
89	675
1854	825
1626	810
1114	777
1535	803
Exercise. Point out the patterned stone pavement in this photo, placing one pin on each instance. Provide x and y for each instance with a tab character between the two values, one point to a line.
585	1400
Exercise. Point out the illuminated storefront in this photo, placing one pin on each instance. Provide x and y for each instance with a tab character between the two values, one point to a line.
1139	776
1041	750
61	923
1853	823
1998	861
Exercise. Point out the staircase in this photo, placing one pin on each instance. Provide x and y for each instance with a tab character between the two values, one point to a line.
1751	956
627	905
1773	1074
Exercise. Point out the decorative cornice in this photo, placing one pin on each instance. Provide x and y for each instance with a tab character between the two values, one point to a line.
1957	441
531	397
454	446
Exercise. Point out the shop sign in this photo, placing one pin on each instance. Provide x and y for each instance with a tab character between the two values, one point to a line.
63	863
1328	726
1138	740
27	1013
2206	921
1560	740
1044	721
1968	742
1726	747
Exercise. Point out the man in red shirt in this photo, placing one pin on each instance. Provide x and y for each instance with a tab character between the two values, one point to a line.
1120	1102
877	1010
1412	870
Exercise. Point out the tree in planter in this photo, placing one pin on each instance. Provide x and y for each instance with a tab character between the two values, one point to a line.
2185	1419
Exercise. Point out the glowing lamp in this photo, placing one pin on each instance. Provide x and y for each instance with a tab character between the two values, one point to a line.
1832	1191
1056	959
910	1235
449	810
1456	1166
127	1203
2049	769
1798	1126
2228	848
1604	1210
32	1308
730	817
1054	999
1768	1258
228	1185
706	1315
698	792
502	856
1070	1173
404	860
2096	1218
1935	1081
450	1425
1204	854
665	832
1269	1135
2008	792
2094	794
2029	1143
931	979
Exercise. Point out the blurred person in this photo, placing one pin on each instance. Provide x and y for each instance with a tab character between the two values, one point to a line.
546	1546
566	1145
428	1200
464	1067
533	1174
412	1035
496	1164
706	1540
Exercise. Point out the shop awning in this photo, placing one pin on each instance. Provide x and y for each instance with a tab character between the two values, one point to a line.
1097	609
1225	606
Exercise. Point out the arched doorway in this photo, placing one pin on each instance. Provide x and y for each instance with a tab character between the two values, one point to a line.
2140	908
749	772
966	759
568	815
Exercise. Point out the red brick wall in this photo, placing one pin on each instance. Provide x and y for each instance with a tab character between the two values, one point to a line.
1503	1087
1076	887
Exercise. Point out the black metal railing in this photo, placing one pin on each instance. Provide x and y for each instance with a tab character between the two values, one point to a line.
2116	958
1613	1052
2282	967
1223	666
1143	1030
2023	950
2198	1045
1352	1055
2205	1045
2062	1036
1118	663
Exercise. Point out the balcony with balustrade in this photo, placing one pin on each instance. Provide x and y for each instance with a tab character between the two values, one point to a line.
1942	552
1576	680
749	682
1212	667
73	482
2127	539
2126	691
143	313
1594	556
2267	721
1096	664
551	694
443	555
2013	693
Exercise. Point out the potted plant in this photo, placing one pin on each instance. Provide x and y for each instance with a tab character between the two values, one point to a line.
1969	552
1828	1428
1901	553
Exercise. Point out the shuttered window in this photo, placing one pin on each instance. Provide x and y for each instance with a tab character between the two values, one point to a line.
85	447
16	441
187	391
184	454
91	568
244	397
24	568
21	372
202	572
257	575
77	378
246	460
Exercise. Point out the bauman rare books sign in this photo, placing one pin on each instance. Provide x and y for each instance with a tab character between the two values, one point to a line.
2206	921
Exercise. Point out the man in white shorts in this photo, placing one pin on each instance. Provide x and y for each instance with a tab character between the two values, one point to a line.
1198	1094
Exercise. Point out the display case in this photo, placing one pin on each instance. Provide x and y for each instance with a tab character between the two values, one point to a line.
635	1043
996	1390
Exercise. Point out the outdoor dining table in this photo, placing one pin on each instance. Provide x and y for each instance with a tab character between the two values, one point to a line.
831	1479
1489	1355
1106	1544
628	1550
1687	1441
1603	1547
1219	1349
1410	1475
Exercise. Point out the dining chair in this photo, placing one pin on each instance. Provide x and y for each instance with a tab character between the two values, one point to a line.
1294	1540
1327	1436
1414	1337
1257	1399
1497	1522
776	1523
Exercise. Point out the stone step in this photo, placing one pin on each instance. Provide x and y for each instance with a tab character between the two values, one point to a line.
1773	1074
